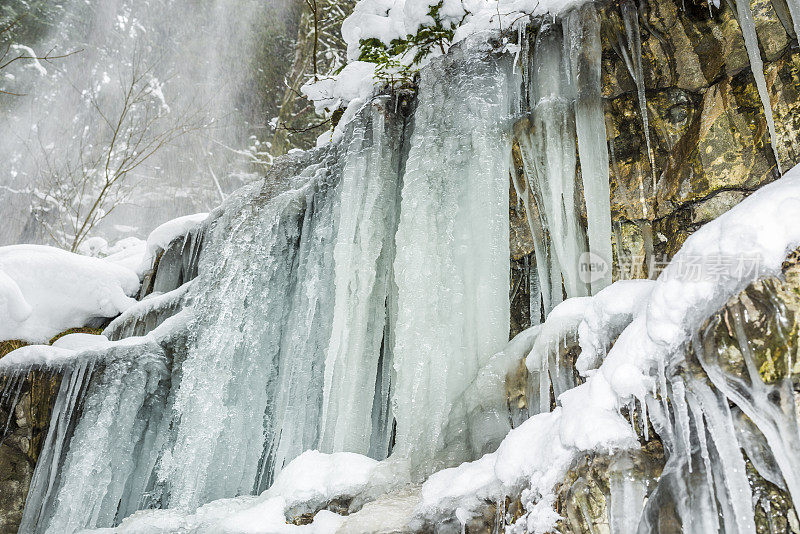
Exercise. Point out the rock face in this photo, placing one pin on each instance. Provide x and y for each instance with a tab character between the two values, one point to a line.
708	129
711	148
26	430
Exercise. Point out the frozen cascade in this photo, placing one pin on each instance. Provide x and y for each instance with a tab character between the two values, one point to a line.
245	393
582	37
229	374
630	15
748	26
453	309
120	412
363	255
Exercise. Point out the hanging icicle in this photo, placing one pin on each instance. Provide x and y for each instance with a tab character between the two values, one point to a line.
582	36
748	26
630	15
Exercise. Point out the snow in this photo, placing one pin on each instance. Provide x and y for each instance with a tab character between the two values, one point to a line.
45	290
80	341
306	484
81	347
354	82
127	252
151	304
380	19
609	312
162	236
36	355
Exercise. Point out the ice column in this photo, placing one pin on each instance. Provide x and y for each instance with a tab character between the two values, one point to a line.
794	11
452	244
582	37
549	158
628	491
363	255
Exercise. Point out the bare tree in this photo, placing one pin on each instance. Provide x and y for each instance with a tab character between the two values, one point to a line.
82	178
319	51
11	53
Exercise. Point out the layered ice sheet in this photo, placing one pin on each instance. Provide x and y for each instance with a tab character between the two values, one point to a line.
452	244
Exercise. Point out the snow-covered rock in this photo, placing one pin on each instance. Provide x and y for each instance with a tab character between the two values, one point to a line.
162	236
45	290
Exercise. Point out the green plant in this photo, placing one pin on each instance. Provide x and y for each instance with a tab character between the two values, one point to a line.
399	62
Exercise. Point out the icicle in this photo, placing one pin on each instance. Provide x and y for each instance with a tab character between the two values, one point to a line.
554	141
630	15
776	420
16	385
731	464
628	490
122	401
548	273
697	415
583	37
748	26
682	413
51	456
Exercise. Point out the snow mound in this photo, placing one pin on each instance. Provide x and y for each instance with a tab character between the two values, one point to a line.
306	484
45	290
127	252
162	236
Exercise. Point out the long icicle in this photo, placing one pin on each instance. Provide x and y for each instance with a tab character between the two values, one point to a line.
585	49
630	15
748	26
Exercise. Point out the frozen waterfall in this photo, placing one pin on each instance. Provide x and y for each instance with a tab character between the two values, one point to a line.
353	307
312	315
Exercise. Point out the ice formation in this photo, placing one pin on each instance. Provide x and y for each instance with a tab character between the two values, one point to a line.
453	308
748	26
336	335
764	227
198	397
563	89
160	238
